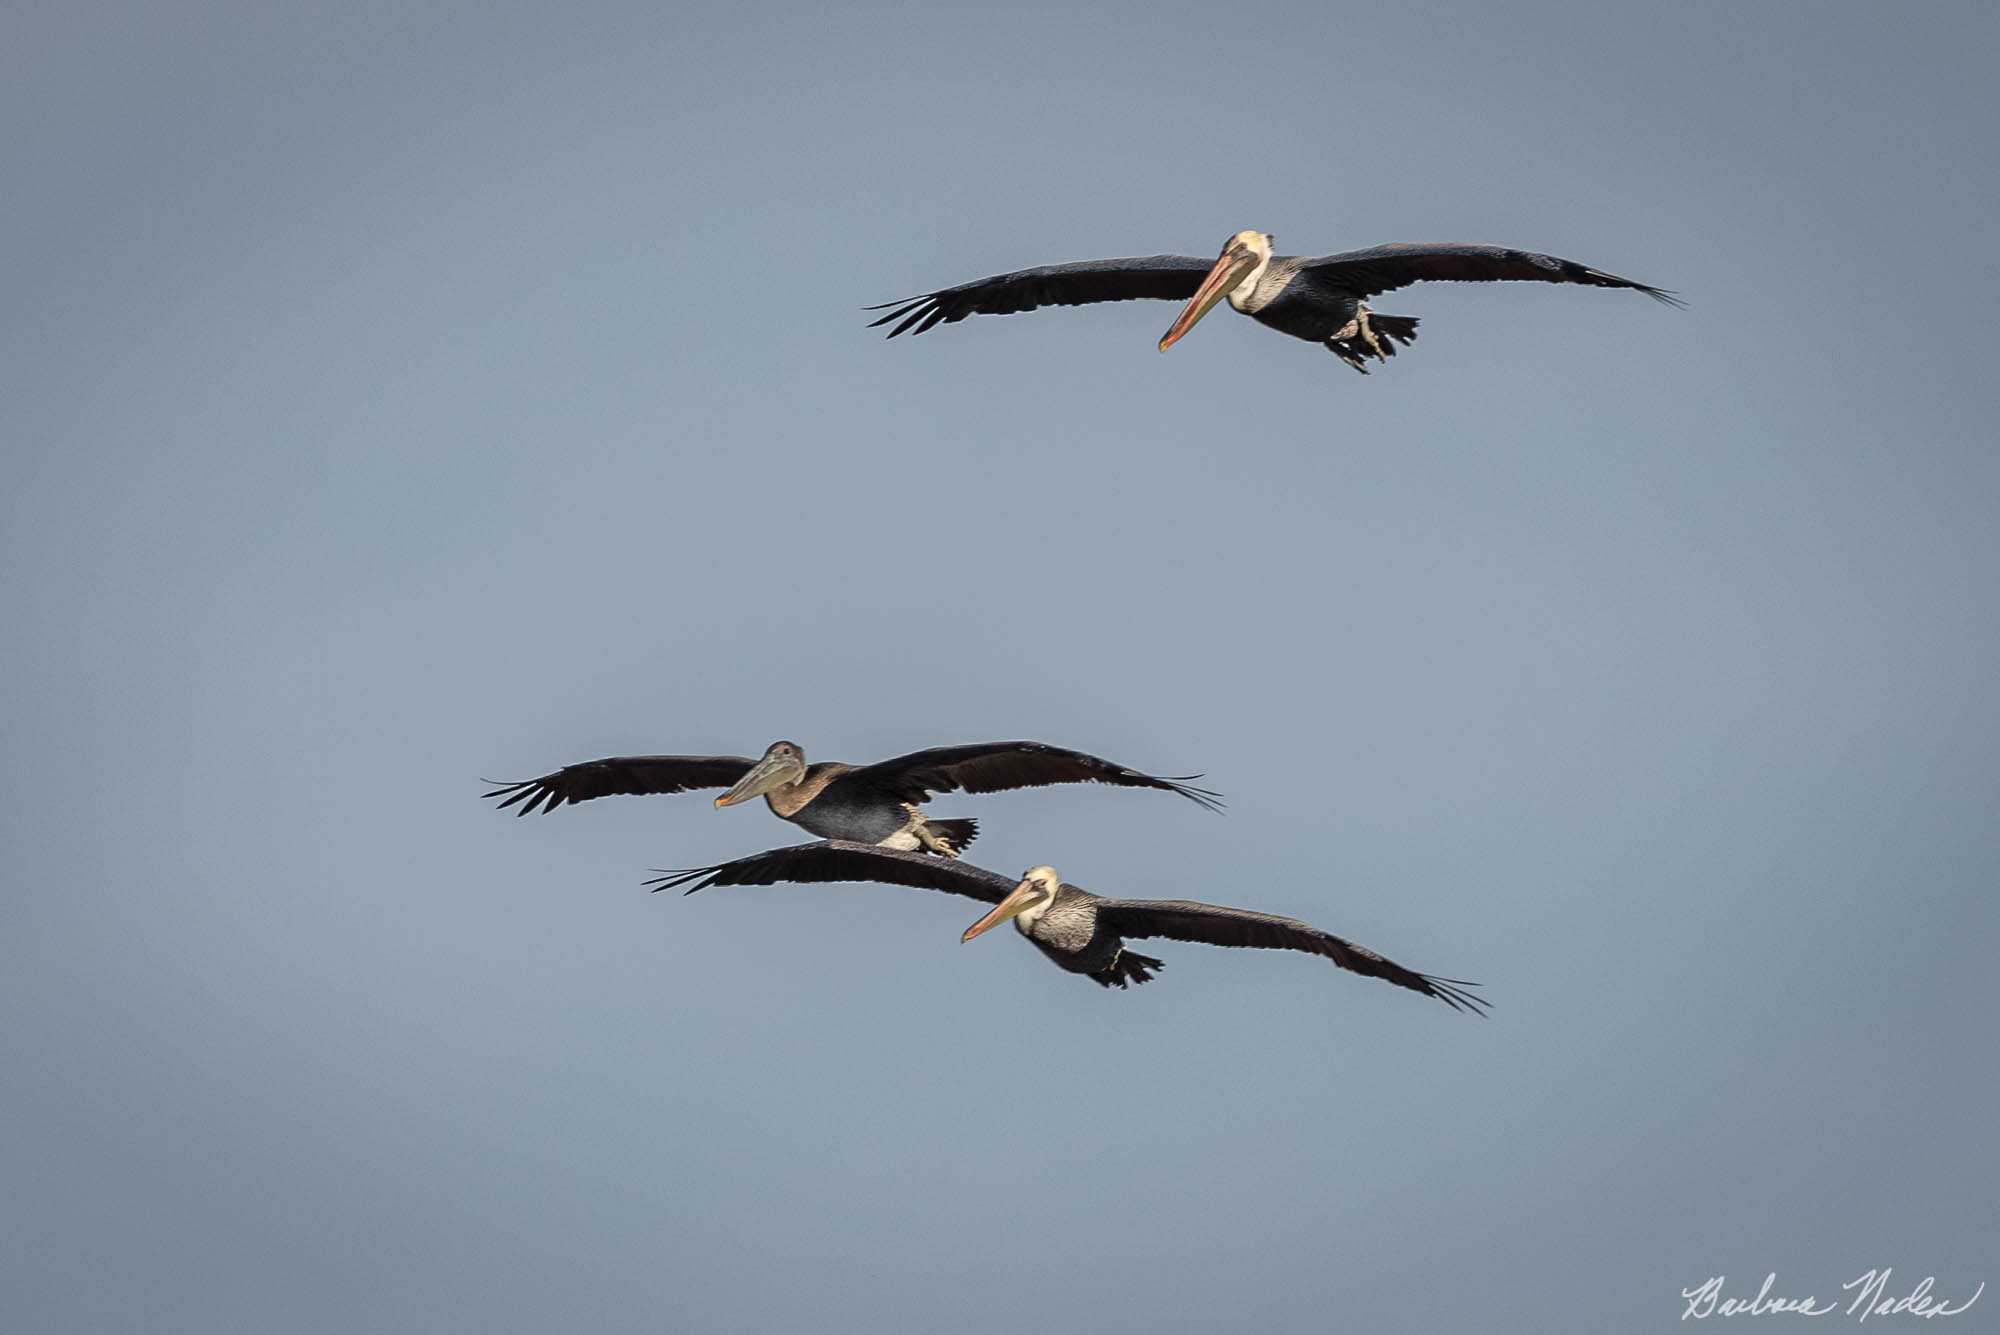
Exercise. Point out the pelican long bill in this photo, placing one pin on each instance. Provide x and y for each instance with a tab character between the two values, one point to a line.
1235	261
1018	901
773	771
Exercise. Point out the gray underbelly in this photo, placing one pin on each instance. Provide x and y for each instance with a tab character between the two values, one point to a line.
862	820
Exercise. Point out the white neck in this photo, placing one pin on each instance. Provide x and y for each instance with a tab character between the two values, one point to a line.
1028	917
1240	294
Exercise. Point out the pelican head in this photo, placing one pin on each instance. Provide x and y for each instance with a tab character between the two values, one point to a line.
1235	274
783	764
1025	902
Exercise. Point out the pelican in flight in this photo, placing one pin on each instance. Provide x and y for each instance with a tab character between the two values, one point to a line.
1321	300
879	804
1082	932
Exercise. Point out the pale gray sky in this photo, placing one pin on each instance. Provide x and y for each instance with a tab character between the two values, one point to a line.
397	398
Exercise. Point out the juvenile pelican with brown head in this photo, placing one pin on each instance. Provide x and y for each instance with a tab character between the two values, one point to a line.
879	804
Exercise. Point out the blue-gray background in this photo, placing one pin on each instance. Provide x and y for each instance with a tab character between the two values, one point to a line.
394	398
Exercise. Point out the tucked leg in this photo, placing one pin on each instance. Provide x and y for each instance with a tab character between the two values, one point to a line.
1370	335
931	837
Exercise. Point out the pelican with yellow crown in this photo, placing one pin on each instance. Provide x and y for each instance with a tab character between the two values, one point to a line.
1322	300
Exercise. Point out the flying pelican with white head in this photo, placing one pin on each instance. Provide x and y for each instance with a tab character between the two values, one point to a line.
1081	932
874	804
1321	300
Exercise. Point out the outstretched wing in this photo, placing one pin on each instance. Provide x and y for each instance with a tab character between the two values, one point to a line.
621	775
1168	277
842	860
1385	268
1211	924
992	767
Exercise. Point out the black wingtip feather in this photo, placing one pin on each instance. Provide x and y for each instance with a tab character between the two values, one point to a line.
527	793
916	316
1452	992
1206	798
909	312
671	878
1659	294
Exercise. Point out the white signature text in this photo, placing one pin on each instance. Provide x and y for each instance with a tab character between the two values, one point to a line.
1869	1290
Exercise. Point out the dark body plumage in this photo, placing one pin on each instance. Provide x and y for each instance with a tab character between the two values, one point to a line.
870	804
1081	932
1319	299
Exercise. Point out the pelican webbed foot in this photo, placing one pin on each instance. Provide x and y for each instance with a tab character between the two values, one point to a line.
1126	969
1348	350
1370	335
932	838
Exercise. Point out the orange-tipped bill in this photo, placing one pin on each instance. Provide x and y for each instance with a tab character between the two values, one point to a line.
1018	900
1228	272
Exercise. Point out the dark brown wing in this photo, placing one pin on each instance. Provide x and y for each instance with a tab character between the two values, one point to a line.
1167	277
1211	924
992	767
841	860
621	775
1364	273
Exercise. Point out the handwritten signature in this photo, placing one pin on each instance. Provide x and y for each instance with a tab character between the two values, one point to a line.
1870	1290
